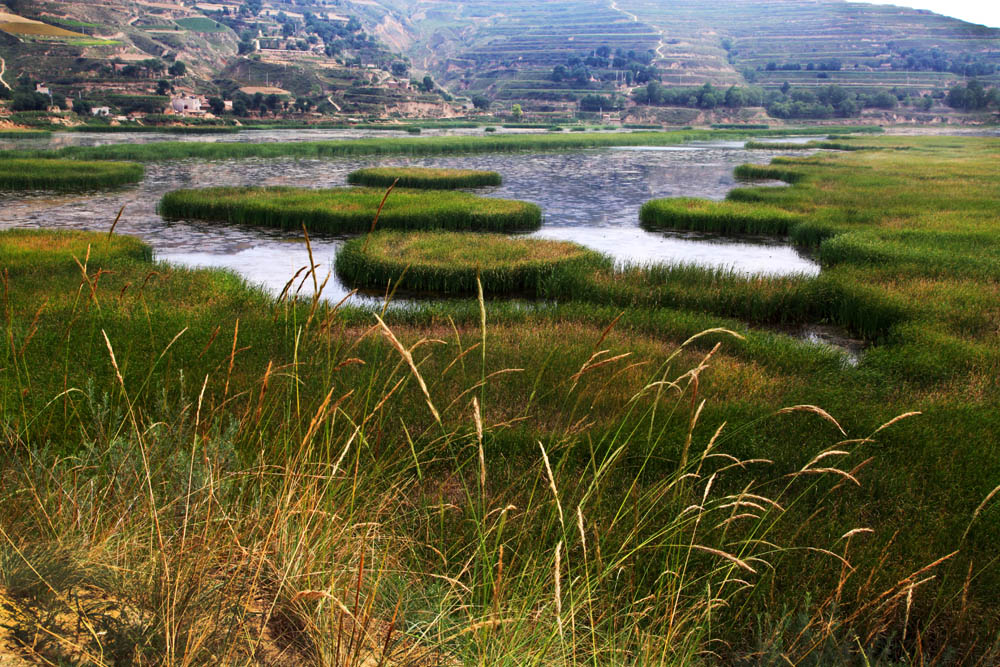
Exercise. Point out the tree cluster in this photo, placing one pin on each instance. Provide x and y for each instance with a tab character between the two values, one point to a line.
636	66
704	97
915	59
973	96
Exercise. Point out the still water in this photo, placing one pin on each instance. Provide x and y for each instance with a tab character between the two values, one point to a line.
591	197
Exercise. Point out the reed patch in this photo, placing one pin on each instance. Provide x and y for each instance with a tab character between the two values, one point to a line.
351	210
26	174
423	178
717	217
450	263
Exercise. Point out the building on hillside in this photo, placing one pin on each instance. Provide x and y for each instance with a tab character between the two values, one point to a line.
186	105
101	111
43	89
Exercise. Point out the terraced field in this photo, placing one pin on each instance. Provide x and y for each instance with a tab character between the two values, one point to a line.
507	50
857	35
510	51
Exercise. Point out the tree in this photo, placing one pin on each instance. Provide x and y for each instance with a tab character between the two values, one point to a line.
302	104
884	100
400	69
254	6
480	102
163	87
597	103
246	46
82	107
240	107
428	83
516	111
217	105
177	69
272	101
29	101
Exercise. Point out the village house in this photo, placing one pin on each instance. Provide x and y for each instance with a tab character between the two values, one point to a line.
186	105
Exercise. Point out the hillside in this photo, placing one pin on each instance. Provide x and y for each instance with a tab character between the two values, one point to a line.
123	54
636	60
508	50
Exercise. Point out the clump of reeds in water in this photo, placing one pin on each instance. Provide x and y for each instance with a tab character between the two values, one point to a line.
423	178
454	263
809	145
343	210
494	143
29	174
726	217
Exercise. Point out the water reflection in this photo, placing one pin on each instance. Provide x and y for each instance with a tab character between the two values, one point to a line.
592	197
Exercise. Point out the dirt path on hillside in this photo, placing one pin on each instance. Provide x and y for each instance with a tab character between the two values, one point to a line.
635	19
3	68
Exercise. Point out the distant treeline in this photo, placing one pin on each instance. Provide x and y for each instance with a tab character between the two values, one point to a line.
800	102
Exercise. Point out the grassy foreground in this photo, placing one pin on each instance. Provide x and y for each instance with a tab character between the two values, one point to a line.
195	469
423	177
452	262
214	475
66	174
343	210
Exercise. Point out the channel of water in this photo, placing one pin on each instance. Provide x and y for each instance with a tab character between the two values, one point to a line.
588	196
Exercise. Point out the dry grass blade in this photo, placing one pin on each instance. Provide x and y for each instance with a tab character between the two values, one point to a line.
816	411
558	587
822	471
856	531
722	554
115	223
408	358
898	418
379	212
979	509
479	439
707	332
552	483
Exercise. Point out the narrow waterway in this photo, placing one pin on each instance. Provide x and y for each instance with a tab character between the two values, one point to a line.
589	196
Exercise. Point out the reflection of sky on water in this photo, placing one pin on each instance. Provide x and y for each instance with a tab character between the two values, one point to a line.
592	197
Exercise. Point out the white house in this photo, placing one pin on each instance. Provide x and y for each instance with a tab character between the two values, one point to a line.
186	105
101	111
43	89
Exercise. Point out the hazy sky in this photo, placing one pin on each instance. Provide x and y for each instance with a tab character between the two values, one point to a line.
986	12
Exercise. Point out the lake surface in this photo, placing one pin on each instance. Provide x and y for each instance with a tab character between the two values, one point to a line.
588	196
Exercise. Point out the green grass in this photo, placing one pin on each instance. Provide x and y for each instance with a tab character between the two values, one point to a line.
423	177
717	217
394	146
450	262
66	174
200	24
25	134
351	210
787	146
178	443
170	129
304	421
